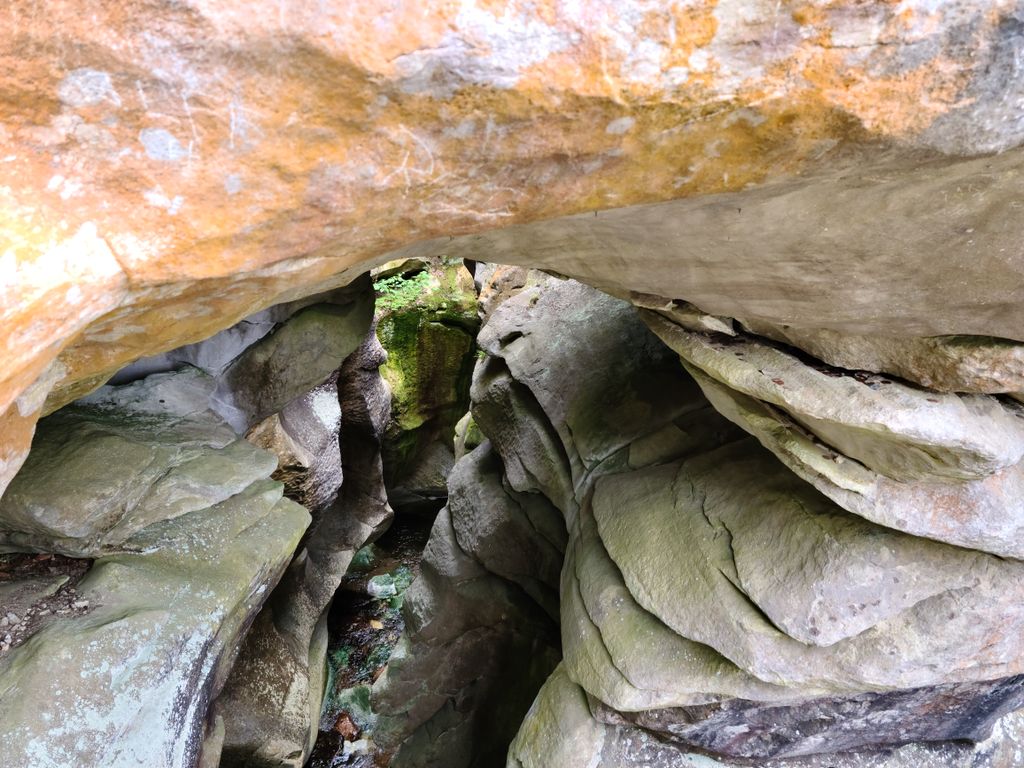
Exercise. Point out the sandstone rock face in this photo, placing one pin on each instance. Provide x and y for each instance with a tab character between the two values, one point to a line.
497	282
265	361
902	432
292	360
711	601
501	539
201	538
772	568
858	438
943	363
172	169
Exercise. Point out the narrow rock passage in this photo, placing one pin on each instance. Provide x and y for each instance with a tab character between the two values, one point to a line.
363	627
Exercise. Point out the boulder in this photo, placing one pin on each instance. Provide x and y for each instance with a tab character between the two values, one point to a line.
298	355
561	731
703	165
178	578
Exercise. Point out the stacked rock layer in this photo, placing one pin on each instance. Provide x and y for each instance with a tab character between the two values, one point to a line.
767	559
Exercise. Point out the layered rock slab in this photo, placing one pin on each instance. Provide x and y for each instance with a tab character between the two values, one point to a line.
123	459
129	682
981	364
834	620
562	730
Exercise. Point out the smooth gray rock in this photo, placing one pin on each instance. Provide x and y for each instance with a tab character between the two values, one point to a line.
795	591
533	454
271	704
520	537
601	379
475	651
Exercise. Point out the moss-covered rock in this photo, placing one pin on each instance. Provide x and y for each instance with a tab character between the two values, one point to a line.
427	322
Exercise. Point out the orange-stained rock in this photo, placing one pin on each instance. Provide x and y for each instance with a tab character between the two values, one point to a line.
167	168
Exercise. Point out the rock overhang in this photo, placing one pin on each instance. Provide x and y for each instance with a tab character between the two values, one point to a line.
171	169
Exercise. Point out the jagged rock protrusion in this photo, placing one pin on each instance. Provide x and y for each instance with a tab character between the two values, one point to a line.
271	704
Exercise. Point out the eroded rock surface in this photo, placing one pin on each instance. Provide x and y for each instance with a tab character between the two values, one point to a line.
711	601
858	438
304	436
